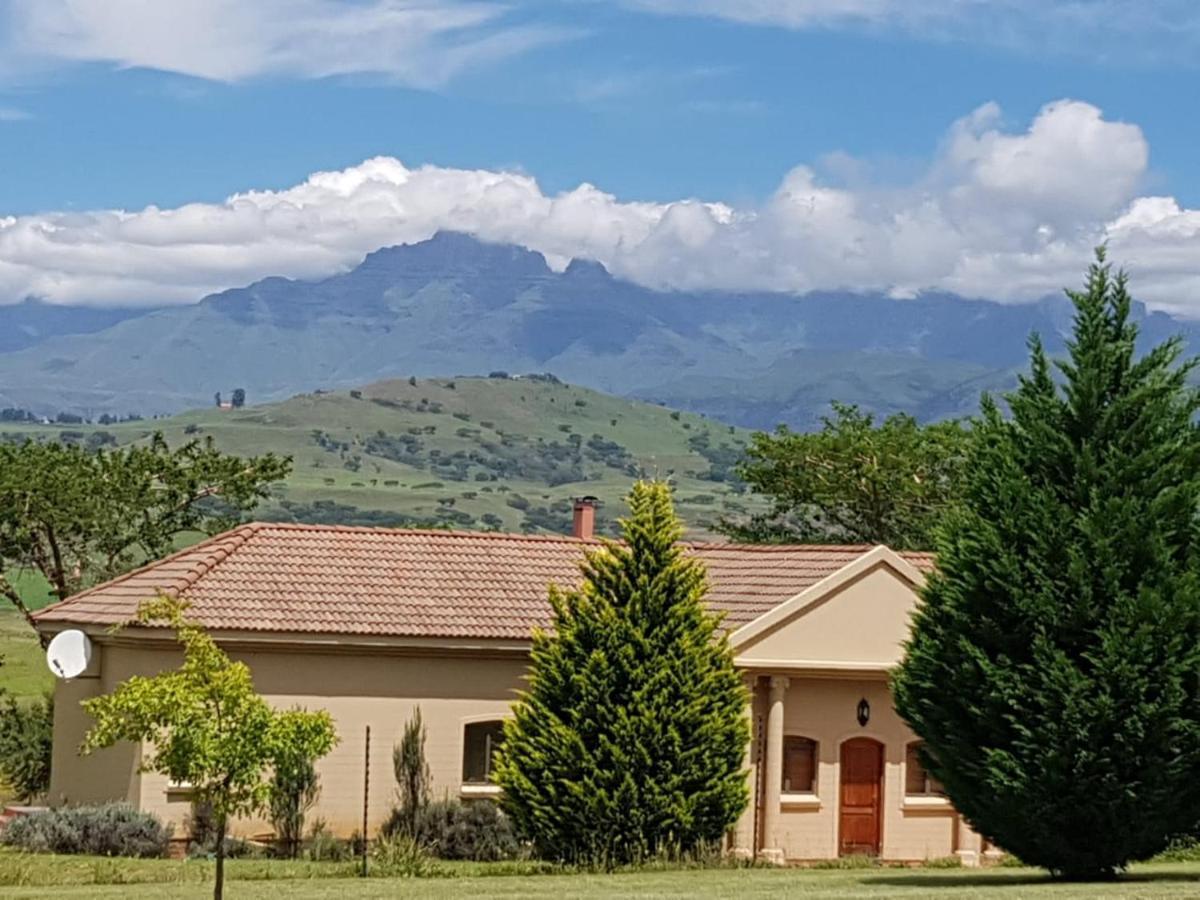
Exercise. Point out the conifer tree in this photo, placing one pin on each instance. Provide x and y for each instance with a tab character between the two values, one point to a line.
629	741
1054	667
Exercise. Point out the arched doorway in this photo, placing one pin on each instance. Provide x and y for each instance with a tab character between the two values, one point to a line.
860	822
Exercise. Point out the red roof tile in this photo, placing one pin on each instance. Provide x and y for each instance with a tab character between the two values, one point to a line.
368	581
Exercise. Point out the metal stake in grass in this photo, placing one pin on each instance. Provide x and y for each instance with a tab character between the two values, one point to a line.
366	795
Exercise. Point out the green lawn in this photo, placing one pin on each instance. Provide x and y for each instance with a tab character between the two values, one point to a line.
40	876
23	671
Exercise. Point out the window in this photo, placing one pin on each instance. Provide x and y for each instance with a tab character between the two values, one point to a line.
481	740
918	782
799	765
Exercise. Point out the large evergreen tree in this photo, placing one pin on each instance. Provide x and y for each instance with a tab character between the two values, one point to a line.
629	741
1054	667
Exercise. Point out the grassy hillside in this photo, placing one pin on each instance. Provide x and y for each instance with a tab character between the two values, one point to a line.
497	453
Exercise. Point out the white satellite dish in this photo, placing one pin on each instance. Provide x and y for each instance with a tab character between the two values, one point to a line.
69	653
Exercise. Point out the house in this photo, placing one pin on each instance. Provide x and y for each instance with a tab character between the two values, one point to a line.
370	623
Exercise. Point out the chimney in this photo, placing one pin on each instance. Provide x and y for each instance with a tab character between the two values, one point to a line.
585	518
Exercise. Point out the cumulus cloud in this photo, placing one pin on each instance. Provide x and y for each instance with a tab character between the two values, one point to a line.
416	42
998	213
1146	29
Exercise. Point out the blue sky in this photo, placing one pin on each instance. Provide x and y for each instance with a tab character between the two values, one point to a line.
644	105
121	104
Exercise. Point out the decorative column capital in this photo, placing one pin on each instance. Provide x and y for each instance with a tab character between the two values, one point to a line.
780	683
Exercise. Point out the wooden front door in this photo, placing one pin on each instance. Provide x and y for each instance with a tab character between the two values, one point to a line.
861	820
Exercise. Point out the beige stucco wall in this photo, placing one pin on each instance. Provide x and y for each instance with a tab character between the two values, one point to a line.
865	620
860	625
824	710
357	689
106	775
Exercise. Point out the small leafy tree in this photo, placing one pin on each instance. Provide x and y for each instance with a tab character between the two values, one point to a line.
629	740
78	516
295	787
854	481
238	400
26	730
1054	666
204	725
412	775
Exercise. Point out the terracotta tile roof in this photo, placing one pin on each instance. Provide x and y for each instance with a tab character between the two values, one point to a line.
367	581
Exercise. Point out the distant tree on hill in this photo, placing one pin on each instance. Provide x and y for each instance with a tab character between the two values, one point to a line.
1054	665
217	398
854	481
79	515
238	400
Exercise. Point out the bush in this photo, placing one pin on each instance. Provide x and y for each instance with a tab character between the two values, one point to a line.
476	830
294	789
25	734
1181	849
113	829
401	856
324	846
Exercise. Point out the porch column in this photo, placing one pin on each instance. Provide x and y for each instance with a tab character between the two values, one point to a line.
968	844
743	839
773	772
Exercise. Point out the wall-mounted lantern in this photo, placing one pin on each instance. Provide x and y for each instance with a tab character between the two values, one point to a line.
864	712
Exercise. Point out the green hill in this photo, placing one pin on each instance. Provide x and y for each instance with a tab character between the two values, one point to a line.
504	453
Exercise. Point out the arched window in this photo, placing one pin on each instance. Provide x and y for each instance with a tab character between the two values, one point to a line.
481	740
918	782
799	765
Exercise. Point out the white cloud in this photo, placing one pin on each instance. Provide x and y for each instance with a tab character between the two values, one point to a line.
13	114
1098	29
1004	214
416	42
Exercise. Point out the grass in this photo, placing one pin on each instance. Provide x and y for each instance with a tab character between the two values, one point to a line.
23	670
24	875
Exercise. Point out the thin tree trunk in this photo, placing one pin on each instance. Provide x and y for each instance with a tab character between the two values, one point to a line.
219	882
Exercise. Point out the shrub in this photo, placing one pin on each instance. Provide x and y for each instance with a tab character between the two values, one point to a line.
25	735
402	856
294	789
412	778
324	846
475	830
113	829
1181	849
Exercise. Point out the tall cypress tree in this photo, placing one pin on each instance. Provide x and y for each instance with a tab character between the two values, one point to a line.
1054	666
629	740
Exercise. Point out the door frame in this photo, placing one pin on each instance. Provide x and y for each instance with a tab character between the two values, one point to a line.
880	748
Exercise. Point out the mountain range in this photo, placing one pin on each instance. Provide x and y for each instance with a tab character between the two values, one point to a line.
453	305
